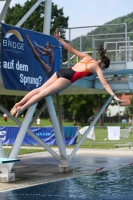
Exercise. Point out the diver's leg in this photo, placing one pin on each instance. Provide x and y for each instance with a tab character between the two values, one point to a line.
32	93
57	86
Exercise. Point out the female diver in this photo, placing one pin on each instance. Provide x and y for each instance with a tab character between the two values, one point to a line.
64	77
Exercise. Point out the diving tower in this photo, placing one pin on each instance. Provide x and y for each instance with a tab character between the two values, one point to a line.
119	75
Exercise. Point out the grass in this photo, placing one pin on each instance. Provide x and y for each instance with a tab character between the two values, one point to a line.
101	135
44	122
25	151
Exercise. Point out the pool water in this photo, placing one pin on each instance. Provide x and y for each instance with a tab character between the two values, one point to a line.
116	184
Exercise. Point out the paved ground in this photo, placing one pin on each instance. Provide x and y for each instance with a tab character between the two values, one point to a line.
42	167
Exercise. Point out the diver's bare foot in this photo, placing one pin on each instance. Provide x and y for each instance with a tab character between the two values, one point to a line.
13	111
19	111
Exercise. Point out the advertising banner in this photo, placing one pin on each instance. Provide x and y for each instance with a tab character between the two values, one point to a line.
46	134
28	58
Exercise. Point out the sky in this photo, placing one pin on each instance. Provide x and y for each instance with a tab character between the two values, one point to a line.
89	12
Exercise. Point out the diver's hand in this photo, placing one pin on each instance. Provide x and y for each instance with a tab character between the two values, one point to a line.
57	35
117	99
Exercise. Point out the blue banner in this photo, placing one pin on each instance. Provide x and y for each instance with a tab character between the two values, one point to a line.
28	58
46	134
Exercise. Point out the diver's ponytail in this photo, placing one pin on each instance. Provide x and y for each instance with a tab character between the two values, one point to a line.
103	58
101	51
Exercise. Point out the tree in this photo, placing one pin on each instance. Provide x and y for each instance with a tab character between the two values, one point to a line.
8	101
129	109
35	21
83	106
80	106
100	99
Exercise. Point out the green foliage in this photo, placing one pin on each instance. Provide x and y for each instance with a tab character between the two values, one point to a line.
35	21
100	99
87	41
129	109
82	106
8	101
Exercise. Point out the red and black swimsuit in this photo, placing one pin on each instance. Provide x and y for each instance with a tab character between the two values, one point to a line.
72	75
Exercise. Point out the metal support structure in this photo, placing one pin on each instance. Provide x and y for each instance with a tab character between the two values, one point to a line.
28	13
54	154
89	129
68	54
57	131
60	115
59	139
38	114
3	168
21	134
128	50
6	176
4	10
47	17
116	52
93	46
125	43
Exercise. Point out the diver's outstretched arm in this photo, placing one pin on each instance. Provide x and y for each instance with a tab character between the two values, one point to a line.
106	85
69	47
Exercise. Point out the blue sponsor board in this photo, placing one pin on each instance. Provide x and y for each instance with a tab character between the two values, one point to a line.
46	134
28	59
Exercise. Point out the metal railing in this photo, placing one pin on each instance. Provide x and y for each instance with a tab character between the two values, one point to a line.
119	45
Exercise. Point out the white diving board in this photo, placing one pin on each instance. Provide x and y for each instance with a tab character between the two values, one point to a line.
8	160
